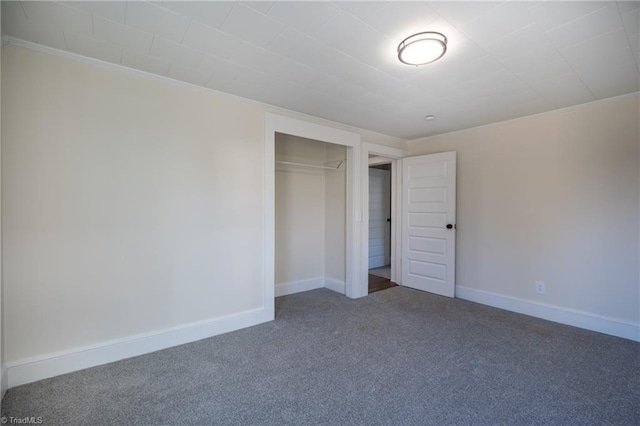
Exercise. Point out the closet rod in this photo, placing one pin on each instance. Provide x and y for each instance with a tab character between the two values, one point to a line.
311	165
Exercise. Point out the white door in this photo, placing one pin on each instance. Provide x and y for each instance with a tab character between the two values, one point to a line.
379	212
428	223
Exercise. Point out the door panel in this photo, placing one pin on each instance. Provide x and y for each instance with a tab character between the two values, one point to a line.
379	211
429	205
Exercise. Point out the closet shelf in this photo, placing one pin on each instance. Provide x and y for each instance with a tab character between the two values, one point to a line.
313	166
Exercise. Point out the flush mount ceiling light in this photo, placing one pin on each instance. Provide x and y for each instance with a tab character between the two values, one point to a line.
422	48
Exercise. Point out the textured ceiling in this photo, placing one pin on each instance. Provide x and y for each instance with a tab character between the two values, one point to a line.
337	60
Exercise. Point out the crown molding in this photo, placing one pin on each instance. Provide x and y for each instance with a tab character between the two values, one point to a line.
527	117
132	71
272	108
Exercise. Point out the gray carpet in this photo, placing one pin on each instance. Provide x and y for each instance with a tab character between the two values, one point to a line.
396	357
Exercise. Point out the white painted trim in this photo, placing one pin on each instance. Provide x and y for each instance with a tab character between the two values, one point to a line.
272	108
355	284
581	319
383	150
74	56
283	289
305	129
37	368
3	368
388	251
293	287
269	255
4	383
526	117
393	154
396	217
374	161
291	126
335	285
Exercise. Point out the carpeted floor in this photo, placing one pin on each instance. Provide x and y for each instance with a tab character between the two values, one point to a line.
396	357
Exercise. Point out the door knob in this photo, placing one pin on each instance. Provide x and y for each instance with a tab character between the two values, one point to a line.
450	226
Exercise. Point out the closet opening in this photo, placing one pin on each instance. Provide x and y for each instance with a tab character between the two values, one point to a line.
351	282
310	215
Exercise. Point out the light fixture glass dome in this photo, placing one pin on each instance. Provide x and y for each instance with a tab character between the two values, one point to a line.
422	48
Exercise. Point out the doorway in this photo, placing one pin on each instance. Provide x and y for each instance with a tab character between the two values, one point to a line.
377	155
380	196
423	227
354	285
310	183
357	217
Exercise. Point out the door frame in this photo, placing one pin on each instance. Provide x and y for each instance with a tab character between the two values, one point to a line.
274	123
394	154
373	170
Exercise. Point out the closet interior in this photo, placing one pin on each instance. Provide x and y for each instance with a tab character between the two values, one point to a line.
310	206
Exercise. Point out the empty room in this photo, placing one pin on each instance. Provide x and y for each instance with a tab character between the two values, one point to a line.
320	212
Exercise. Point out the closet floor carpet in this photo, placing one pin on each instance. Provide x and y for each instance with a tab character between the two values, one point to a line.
396	357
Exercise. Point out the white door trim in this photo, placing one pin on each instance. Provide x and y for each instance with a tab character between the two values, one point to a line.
291	126
385	190
396	201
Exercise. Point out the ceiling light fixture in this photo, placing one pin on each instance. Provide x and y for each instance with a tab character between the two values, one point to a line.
422	48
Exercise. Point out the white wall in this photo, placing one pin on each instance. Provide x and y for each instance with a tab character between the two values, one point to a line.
129	206
555	198
300	203
310	215
335	215
132	212
3	375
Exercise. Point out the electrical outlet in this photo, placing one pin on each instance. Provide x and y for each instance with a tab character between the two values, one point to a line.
540	289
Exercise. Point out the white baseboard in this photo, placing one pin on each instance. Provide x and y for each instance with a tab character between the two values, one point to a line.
42	367
335	285
581	319
292	287
3	381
